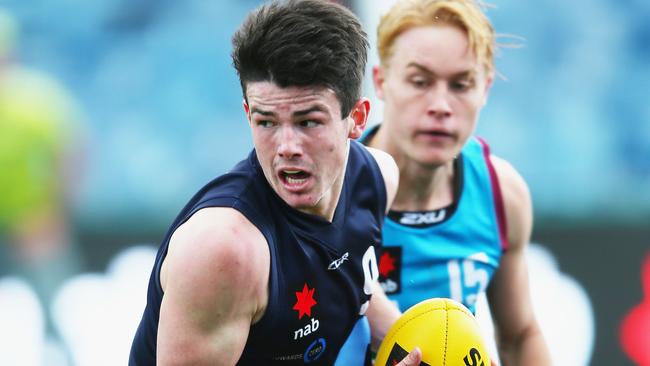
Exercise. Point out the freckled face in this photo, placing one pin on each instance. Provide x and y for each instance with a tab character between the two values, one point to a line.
301	142
433	89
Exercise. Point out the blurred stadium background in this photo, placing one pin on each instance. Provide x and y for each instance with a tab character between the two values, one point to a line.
158	107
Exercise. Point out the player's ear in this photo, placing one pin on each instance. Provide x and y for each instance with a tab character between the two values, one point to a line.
378	78
359	118
488	85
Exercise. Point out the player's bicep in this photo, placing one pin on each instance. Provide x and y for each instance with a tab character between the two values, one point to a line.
509	294
191	335
206	312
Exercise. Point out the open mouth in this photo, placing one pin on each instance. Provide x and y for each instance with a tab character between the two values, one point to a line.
294	177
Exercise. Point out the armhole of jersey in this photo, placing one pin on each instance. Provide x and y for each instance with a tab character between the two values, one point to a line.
168	237
379	176
242	208
497	197
263	226
265	323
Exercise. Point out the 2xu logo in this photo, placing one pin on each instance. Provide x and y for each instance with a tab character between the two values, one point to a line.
474	358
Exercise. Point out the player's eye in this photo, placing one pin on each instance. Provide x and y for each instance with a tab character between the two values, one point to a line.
309	123
265	123
420	82
462	85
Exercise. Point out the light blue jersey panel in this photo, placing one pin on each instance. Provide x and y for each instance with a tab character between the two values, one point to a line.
457	257
352	353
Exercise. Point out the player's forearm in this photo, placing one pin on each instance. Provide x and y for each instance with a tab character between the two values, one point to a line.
527	349
382	313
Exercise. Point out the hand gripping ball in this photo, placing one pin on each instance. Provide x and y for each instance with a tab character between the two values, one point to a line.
445	330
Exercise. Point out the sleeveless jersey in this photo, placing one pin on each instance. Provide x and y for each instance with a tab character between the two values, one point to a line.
457	257
320	272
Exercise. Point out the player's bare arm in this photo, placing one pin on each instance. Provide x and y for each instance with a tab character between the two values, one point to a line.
382	313
519	337
215	282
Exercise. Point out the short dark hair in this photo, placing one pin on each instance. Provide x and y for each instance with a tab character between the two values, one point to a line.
303	43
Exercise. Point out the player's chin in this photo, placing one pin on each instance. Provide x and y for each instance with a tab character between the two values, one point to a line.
434	159
299	201
430	154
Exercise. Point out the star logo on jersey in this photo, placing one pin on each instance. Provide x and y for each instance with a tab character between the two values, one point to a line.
304	301
386	264
390	273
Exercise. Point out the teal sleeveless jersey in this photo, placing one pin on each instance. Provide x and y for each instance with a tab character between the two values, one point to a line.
457	257
454	258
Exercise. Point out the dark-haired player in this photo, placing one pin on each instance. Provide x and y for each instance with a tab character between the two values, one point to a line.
274	262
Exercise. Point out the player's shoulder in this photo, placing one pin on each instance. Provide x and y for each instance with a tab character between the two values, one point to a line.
383	159
217	258
513	186
389	171
221	241
516	202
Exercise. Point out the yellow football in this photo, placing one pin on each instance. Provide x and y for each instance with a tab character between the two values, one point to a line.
444	329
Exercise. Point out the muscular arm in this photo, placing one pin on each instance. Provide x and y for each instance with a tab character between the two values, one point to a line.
519	338
214	289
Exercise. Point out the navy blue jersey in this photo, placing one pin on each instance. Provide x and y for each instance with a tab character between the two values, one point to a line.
320	272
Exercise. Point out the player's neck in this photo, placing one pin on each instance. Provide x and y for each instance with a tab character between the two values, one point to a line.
424	188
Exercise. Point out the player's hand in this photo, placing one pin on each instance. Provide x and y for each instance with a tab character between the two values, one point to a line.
412	359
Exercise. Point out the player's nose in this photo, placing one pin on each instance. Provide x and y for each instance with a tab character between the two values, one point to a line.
289	145
439	105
